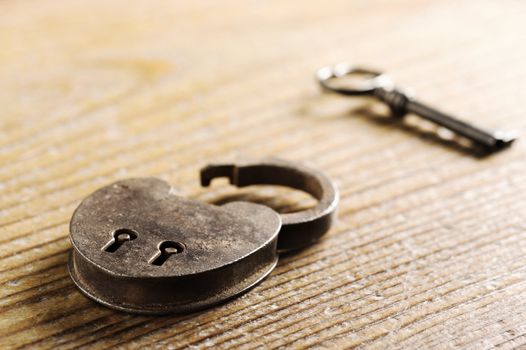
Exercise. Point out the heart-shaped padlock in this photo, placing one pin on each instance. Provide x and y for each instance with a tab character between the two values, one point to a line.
138	247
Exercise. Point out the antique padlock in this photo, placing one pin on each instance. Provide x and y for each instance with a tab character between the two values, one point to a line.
137	247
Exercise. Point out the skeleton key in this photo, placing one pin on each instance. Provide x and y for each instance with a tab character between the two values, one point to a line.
376	84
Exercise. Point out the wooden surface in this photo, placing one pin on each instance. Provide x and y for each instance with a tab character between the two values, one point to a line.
429	251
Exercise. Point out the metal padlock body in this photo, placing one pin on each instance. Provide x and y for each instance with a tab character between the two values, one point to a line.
225	250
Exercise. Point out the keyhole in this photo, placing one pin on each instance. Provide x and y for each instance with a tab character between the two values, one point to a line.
166	249
119	237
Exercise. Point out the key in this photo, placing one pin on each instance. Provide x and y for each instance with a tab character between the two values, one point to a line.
365	82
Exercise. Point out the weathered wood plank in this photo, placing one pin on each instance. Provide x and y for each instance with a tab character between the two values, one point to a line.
429	249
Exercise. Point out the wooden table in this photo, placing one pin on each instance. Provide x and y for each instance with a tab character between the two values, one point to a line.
430	247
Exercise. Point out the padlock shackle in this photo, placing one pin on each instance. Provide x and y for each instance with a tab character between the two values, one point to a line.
299	229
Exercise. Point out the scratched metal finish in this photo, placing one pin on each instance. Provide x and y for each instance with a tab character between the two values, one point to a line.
224	250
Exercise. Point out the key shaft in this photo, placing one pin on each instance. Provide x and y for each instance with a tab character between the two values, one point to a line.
401	105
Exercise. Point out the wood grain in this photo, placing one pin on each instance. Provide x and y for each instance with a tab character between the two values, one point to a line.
430	244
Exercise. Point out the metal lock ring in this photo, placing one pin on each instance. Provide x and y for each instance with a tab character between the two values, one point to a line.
299	229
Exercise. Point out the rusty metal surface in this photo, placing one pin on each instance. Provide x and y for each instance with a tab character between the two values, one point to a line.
300	229
214	252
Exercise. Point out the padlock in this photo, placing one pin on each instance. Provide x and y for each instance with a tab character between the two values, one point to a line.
137	247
